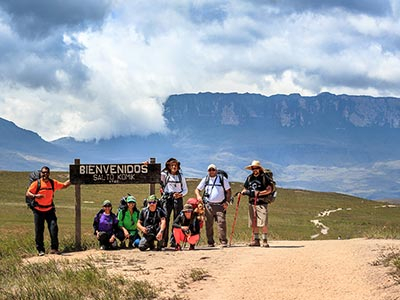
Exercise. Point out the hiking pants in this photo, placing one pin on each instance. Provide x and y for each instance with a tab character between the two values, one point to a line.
180	236
50	217
170	205
148	241
215	212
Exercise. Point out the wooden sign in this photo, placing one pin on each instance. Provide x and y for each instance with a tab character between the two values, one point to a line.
114	173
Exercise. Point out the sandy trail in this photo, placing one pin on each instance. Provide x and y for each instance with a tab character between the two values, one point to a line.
333	269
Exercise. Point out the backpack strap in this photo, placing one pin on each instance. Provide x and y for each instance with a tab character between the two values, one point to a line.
38	189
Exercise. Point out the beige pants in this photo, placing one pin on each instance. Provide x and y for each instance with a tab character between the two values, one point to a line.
261	215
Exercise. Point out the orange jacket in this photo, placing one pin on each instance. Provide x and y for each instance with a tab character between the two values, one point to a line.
45	203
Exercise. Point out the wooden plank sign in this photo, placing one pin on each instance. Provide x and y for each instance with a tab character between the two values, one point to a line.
114	173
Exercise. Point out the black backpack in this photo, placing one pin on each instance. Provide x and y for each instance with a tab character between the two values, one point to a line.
268	175
33	176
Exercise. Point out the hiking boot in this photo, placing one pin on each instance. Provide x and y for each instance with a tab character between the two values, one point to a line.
41	253
178	247
55	251
265	243
102	247
191	247
224	244
255	243
211	245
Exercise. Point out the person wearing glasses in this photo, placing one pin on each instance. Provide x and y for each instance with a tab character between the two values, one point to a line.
42	191
257	187
105	226
152	224
217	192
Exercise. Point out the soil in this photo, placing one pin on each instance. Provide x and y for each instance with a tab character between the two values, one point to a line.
329	269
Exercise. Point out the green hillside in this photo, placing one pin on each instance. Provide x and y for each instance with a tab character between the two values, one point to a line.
290	216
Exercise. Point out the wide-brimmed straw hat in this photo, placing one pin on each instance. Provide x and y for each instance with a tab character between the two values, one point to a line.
254	163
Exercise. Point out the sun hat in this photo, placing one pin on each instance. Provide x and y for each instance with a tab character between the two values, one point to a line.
130	199
187	207
212	166
254	163
107	202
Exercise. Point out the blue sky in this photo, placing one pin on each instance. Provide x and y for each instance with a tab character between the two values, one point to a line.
103	68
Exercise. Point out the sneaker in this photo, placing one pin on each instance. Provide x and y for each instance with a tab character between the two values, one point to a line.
265	243
211	245
41	253
224	244
255	243
55	251
191	247
178	247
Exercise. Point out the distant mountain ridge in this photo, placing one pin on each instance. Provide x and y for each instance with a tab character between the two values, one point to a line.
325	142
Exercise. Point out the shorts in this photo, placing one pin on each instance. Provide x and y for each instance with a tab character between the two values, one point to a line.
261	213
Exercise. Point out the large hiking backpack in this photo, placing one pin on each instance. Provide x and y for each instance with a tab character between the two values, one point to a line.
33	176
270	176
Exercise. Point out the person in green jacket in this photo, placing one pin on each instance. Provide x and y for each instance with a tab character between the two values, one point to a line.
127	222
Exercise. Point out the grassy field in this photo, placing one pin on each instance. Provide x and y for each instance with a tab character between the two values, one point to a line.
290	219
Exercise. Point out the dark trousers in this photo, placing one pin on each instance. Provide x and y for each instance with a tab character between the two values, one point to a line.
148	241
50	217
216	213
170	205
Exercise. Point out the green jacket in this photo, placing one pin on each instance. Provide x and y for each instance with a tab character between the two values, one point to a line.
128	220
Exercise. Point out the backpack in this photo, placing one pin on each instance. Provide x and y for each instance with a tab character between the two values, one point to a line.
198	209
123	206
33	176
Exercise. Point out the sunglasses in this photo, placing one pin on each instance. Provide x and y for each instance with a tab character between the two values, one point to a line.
152	202
107	205
255	168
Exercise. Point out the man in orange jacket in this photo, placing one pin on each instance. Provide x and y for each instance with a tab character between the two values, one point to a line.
42	191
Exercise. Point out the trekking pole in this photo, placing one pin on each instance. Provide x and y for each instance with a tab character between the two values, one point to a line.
235	217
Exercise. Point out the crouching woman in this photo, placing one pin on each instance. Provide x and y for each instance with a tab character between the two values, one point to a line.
105	226
186	228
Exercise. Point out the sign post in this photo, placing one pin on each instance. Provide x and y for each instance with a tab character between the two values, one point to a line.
109	174
77	212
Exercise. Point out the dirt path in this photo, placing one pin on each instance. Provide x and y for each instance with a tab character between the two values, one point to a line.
335	269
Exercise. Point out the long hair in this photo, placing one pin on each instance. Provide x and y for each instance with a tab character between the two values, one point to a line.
169	162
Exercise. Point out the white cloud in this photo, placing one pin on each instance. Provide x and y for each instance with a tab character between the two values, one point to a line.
111	76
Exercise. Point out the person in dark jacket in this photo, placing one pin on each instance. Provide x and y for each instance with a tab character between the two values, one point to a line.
186	228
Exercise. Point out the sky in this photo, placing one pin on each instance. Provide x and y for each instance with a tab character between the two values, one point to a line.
95	69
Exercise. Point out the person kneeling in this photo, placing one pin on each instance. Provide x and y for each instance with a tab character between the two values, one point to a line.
186	228
127	222
152	223
105	226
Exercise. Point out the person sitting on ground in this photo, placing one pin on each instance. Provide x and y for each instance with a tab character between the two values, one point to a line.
152	224
105	226
186	228
127	222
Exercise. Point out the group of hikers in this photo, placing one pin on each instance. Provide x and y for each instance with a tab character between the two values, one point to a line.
164	222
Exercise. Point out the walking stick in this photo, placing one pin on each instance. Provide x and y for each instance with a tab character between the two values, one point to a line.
234	219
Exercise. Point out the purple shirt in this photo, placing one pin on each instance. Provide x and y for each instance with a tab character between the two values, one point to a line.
107	222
